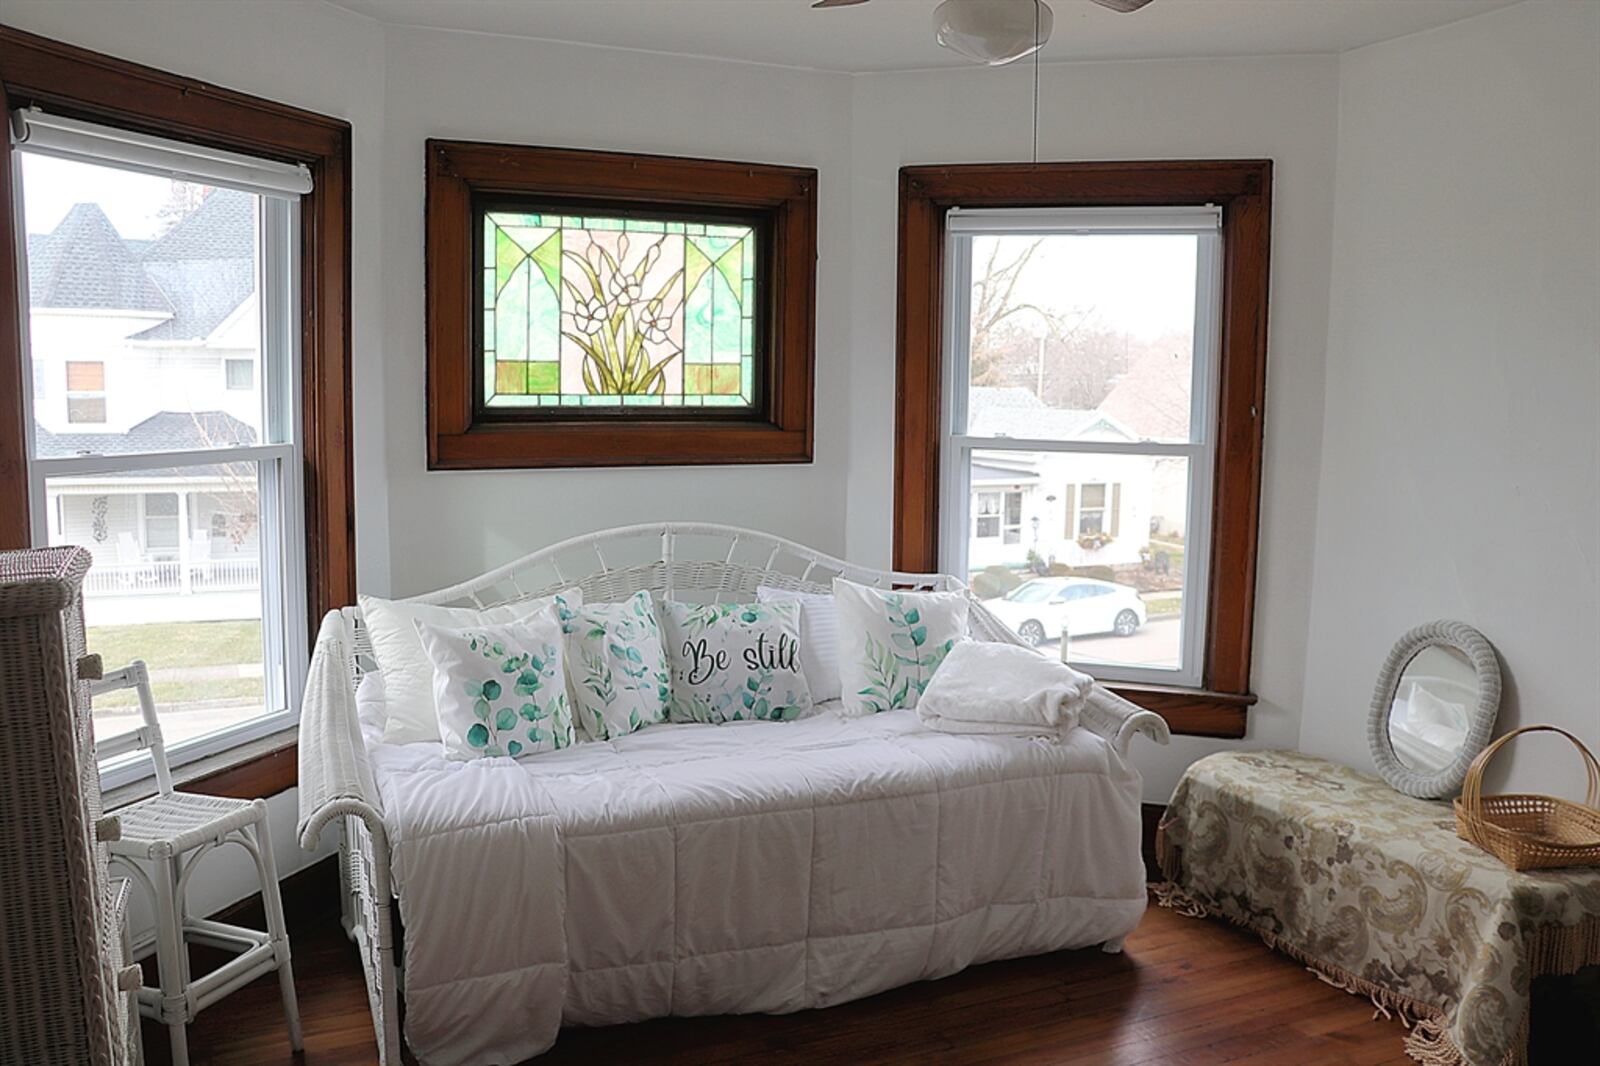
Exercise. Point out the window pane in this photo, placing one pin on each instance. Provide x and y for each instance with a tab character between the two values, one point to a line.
612	313
140	289
241	374
1082	336
86	410
1101	553
86	377
176	581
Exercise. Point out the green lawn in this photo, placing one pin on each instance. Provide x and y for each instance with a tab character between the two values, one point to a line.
169	645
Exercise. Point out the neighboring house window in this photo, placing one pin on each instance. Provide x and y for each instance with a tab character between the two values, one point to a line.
240	374
599	309
998	516
1094	510
86	392
1050	310
988	516
150	268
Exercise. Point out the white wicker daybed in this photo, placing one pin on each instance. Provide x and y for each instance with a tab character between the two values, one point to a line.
695	869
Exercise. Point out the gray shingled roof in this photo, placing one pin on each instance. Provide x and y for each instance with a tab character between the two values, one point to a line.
1017	412
205	264
83	262
166	431
199	272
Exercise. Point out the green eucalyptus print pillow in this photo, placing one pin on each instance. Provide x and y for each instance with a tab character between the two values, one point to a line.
616	669
735	661
500	689
891	642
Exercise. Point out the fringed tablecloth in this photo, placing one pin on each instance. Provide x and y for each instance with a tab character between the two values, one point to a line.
1374	891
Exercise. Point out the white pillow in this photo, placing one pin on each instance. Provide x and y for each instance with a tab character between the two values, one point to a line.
819	638
616	668
499	689
410	715
891	642
735	661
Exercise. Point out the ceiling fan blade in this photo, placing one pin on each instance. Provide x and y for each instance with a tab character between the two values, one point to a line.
1124	6
838	3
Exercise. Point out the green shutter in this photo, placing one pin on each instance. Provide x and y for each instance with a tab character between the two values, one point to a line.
1116	508
1071	497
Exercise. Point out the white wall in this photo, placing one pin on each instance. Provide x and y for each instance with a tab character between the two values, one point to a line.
1461	453
1282	109
448	526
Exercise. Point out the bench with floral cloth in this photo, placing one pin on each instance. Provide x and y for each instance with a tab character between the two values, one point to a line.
1374	891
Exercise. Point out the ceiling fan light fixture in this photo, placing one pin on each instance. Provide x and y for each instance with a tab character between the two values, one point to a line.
993	31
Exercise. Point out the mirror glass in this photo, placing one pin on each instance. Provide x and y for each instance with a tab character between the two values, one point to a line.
1433	709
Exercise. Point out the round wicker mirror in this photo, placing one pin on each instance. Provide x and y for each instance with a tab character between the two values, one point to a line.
1434	708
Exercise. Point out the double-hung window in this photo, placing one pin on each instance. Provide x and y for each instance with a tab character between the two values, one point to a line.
160	276
1081	364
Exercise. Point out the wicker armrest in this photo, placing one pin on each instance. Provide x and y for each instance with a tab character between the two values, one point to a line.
1119	721
335	777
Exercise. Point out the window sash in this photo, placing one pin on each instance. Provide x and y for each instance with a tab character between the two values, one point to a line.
277	460
957	446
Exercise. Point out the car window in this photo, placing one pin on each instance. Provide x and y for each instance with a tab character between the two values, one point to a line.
1032	592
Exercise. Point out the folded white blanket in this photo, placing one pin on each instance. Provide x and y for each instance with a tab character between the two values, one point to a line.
1003	689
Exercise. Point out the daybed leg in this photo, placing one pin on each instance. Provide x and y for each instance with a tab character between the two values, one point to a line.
1113	947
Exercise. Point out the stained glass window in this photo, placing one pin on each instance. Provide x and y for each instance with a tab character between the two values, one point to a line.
610	312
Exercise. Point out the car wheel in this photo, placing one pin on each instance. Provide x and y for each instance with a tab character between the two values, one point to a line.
1127	623
1032	633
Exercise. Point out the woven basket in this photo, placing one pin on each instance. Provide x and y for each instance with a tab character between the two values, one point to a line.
1531	832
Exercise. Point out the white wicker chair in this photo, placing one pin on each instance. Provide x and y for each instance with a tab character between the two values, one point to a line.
696	562
161	840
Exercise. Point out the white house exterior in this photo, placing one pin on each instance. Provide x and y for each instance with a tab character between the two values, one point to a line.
152	346
1076	509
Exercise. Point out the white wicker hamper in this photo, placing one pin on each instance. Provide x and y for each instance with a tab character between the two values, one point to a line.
62	948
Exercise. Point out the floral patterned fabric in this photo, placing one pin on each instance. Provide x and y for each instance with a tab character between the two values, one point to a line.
735	661
890	643
616	668
1375	889
499	689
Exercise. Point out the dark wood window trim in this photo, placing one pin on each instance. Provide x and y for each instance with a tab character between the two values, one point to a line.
783	197
1243	189
81	84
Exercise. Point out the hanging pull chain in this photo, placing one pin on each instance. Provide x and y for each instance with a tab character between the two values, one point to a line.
1037	48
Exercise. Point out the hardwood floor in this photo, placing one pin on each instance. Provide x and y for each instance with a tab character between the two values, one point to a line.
1185	993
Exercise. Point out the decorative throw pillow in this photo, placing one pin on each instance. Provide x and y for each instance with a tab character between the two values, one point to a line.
499	689
891	642
616	668
732	662
407	675
819	638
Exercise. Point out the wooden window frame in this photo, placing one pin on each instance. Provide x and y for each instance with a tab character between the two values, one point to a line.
783	198
1243	190
87	85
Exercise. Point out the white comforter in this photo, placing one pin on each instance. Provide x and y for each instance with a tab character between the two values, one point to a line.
754	866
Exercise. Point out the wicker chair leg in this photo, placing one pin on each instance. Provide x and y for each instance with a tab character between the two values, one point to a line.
170	953
277	928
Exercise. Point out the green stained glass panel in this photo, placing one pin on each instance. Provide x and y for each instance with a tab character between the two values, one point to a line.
603	311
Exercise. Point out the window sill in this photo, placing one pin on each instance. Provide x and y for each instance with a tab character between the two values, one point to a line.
257	768
1192	712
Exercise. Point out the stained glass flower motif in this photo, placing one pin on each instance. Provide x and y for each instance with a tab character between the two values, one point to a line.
614	312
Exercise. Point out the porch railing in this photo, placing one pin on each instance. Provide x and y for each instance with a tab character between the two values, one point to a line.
168	577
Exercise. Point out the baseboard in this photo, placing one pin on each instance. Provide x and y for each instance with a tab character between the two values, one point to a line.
1150	815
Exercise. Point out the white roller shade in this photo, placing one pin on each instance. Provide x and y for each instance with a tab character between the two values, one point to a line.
88	142
1206	218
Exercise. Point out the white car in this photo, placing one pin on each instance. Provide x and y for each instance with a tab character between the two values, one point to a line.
1037	609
